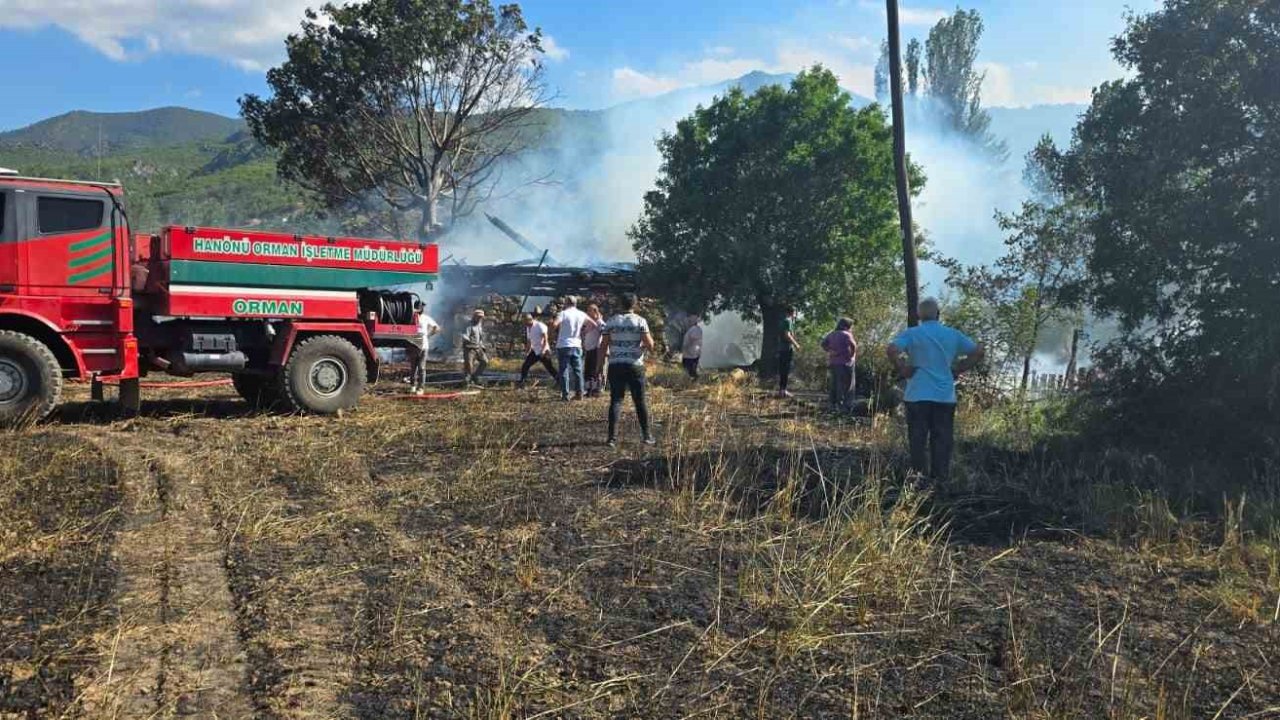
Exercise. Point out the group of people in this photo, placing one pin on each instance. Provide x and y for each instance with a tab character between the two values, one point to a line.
842	359
590	352
579	337
929	356
593	353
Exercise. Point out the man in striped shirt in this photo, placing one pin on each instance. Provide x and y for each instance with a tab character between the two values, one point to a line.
624	340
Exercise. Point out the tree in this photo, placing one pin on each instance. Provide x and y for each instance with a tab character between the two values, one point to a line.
951	54
784	197
1179	165
409	101
1036	283
913	67
882	72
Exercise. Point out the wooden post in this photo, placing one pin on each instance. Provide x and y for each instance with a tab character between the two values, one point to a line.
1071	362
900	166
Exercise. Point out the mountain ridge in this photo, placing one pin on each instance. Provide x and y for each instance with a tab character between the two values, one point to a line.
84	131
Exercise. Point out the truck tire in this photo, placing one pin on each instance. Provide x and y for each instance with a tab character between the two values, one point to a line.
30	379
323	375
260	391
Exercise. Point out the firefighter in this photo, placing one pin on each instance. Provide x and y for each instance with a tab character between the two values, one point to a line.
474	356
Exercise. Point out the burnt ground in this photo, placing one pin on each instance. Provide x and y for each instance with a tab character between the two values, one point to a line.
489	557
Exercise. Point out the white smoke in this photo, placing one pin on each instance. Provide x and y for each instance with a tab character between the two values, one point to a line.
583	188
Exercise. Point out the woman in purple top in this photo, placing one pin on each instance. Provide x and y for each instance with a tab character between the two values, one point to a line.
842	355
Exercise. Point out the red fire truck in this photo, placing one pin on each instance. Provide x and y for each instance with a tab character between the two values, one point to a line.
295	319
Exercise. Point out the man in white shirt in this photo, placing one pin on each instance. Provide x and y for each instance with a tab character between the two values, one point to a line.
537	349
626	338
427	328
691	348
569	325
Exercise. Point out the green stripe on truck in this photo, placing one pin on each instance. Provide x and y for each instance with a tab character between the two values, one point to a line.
91	242
194	272
89	259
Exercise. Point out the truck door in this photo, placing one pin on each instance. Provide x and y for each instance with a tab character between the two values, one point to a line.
71	251
8	243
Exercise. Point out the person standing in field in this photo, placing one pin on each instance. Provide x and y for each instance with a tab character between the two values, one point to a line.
569	325
691	348
427	328
842	355
593	358
475	357
537	349
930	357
787	351
624	341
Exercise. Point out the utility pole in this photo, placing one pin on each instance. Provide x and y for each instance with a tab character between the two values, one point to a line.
900	166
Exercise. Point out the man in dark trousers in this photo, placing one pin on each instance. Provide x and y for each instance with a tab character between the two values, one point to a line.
537	349
929	356
475	356
787	351
624	341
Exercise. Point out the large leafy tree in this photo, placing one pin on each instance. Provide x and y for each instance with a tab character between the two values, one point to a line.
413	103
1180	165
953	80
784	197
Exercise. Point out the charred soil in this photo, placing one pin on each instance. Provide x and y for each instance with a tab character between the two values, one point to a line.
490	557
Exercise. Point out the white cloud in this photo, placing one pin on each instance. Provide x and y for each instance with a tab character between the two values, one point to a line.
858	44
720	50
998	87
713	70
789	56
554	51
629	84
1060	94
854	76
248	34
920	16
908	15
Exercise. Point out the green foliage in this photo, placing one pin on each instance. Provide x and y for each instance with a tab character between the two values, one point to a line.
913	66
1180	167
951	53
784	197
1039	280
184	185
410	102
882	72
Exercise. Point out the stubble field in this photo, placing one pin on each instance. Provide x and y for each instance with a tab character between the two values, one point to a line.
490	557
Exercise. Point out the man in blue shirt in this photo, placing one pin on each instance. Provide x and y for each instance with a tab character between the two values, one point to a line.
927	356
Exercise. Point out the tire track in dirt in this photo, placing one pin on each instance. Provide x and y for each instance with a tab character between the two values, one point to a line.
173	651
295	582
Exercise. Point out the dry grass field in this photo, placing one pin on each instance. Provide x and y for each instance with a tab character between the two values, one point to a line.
490	558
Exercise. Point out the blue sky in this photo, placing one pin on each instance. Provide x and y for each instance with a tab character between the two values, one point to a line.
62	55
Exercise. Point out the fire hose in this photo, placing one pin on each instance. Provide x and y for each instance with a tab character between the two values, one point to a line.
437	396
178	385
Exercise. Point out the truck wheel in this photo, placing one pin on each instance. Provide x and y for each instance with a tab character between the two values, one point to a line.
30	379
260	391
323	375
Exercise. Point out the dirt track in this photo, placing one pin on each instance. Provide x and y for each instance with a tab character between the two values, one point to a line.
490	558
